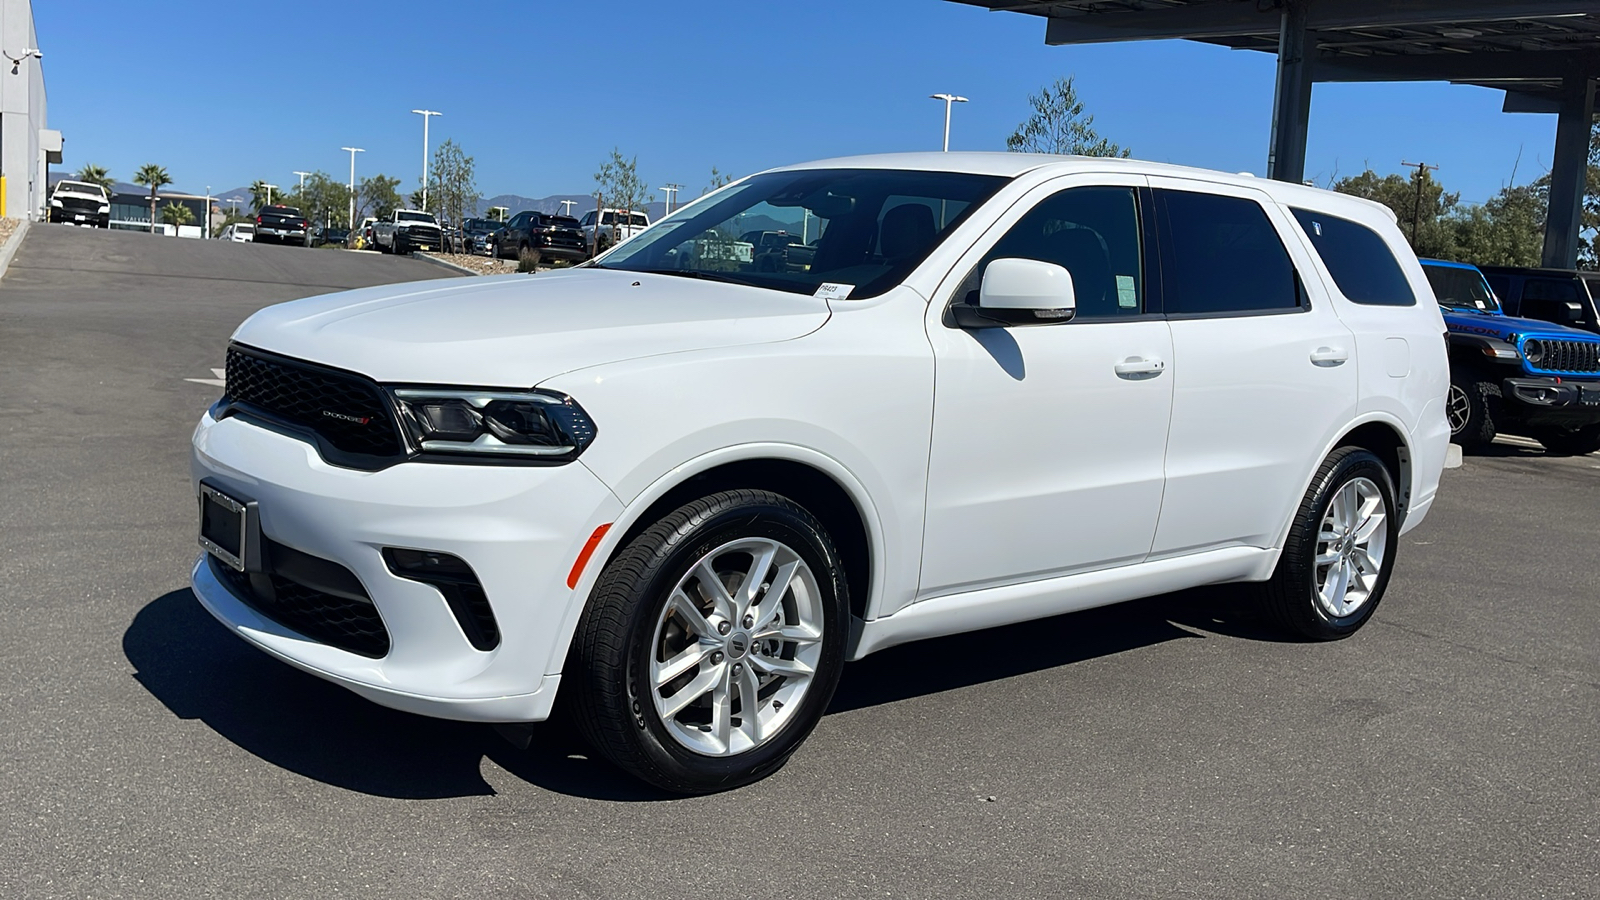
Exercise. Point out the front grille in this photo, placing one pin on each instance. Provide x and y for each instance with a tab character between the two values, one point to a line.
1568	356
349	624
78	204
422	235
344	409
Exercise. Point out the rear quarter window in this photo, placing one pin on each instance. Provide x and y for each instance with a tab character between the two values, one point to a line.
1360	261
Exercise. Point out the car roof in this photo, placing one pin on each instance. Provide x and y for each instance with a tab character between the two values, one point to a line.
1535	270
1012	165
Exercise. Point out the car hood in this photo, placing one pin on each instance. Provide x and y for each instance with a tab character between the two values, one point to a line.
519	330
1502	327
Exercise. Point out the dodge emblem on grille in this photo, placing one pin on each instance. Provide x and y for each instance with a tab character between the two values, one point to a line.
359	420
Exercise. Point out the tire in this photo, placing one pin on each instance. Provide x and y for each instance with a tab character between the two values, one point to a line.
1568	441
636	626
399	246
1351	491
1470	408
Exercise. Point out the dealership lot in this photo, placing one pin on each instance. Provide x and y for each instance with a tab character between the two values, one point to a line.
1166	748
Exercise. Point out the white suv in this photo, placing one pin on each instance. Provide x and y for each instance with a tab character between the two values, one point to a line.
685	491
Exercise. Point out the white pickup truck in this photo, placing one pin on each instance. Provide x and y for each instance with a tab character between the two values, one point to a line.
407	230
80	203
616	225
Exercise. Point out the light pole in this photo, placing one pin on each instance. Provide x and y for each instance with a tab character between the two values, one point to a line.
566	207
302	180
426	114
948	99
270	188
207	231
353	151
235	201
672	194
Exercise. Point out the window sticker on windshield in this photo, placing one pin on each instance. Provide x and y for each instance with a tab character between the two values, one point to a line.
1127	294
830	291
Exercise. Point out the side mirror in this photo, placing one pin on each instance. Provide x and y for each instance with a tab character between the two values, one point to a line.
1020	292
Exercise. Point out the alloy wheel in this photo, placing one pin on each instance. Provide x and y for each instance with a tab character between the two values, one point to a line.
1351	545
736	647
1458	409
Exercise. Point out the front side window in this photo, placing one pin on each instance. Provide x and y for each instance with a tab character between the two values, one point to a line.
1360	261
1221	255
1093	233
861	228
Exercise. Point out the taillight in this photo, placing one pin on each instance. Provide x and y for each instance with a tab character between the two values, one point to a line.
258	220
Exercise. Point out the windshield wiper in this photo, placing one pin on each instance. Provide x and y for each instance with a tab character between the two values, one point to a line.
694	273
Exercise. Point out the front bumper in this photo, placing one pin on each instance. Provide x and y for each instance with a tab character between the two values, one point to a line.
520	528
1552	401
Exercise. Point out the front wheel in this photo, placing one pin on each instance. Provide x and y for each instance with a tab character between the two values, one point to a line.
1469	410
1568	441
713	643
1340	551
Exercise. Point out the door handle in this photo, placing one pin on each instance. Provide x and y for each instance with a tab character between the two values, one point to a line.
1135	367
1328	357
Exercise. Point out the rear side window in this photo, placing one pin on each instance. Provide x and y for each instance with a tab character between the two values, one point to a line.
1221	255
1360	261
1549	289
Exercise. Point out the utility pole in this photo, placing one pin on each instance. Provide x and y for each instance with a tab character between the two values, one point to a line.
426	114
1416	208
948	99
353	151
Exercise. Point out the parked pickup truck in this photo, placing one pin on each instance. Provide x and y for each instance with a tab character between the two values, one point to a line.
80	203
1516	375
408	230
615	226
282	225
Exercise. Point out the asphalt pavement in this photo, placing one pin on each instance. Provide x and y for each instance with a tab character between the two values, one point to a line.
1165	748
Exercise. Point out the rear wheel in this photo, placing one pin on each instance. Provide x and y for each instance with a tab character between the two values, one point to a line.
1568	441
713	643
1469	407
1340	553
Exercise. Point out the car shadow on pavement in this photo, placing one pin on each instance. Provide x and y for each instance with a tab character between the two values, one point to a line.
316	729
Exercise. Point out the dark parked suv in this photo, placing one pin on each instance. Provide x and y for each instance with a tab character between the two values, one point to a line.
1519	375
477	235
555	237
282	225
1563	296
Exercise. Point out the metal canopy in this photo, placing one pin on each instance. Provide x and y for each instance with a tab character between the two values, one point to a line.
1545	54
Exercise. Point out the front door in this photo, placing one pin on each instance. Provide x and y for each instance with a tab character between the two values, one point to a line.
1048	440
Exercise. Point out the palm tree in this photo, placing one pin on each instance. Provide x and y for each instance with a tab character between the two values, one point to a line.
154	177
176	214
92	174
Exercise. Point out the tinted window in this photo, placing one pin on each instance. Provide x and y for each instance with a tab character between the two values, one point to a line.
1093	233
1460	288
520	220
561	221
1222	255
1549	289
1501	285
1361	263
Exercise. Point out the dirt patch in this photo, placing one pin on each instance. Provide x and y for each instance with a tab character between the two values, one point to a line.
481	265
7	228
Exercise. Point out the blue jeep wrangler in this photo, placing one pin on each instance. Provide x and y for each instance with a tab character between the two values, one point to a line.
1519	376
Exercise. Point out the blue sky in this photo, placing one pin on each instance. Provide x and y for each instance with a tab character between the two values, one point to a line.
539	92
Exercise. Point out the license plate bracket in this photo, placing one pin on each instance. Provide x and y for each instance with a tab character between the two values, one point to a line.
225	527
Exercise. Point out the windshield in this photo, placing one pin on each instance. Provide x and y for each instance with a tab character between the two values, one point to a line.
479	225
1459	288
80	187
413	217
866	229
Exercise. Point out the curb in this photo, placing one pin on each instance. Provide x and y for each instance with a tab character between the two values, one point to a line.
460	270
11	245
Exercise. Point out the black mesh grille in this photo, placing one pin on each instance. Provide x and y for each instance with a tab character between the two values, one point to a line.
346	410
352	625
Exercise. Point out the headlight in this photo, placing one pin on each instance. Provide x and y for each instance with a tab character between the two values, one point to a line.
1533	350
105	207
530	424
54	202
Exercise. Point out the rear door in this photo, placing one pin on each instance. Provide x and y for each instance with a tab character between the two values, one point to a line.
1264	373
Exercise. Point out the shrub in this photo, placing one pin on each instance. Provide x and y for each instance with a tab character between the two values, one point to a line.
528	261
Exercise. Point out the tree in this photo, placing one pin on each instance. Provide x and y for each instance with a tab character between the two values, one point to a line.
320	198
260	194
454	193
1506	231
618	186
379	195
155	178
1059	125
176	214
718	179
93	174
1435	234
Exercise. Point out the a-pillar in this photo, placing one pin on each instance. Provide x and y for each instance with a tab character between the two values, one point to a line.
1291	102
1569	173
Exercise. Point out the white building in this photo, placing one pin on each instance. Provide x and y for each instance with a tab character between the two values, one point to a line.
27	146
